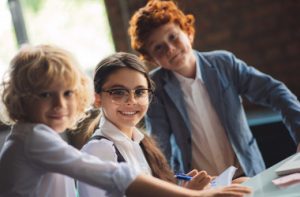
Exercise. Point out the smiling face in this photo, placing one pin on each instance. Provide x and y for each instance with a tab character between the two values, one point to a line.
126	115
55	106
170	48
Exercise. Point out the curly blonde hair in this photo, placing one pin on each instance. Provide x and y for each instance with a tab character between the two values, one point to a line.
33	69
153	15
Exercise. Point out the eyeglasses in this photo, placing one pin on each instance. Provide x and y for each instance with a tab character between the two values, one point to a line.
143	96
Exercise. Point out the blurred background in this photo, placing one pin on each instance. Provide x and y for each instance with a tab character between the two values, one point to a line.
80	26
263	33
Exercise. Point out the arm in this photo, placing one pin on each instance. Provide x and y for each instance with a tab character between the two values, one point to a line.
49	153
104	150
200	180
262	89
148	186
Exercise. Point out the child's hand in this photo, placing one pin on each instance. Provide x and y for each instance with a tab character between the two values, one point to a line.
233	190
199	181
240	180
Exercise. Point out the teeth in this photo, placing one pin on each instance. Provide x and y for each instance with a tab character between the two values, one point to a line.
128	113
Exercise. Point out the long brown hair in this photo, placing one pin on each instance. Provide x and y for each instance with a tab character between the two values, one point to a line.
155	158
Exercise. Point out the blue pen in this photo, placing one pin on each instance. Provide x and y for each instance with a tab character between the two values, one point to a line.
183	177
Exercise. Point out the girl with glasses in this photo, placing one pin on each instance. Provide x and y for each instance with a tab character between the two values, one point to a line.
123	91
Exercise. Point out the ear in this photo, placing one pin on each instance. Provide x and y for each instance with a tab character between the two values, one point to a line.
97	102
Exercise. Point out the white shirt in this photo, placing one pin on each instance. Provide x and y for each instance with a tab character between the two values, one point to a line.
211	150
129	148
32	151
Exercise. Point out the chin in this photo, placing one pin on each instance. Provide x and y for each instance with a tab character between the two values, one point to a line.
59	129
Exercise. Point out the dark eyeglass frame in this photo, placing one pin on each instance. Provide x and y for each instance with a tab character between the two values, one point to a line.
128	92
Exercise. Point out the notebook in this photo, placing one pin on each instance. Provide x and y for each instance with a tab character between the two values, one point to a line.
290	166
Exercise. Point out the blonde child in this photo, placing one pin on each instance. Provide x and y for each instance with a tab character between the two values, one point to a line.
46	93
123	91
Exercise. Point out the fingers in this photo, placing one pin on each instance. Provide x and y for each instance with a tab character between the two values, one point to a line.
230	191
193	172
234	191
199	181
240	180
203	178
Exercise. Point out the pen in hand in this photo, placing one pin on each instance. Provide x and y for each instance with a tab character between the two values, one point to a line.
185	177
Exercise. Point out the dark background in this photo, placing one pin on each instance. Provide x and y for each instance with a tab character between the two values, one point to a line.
263	33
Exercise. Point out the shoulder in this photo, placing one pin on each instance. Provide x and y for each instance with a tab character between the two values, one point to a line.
44	134
35	133
216	56
159	74
221	60
42	139
103	149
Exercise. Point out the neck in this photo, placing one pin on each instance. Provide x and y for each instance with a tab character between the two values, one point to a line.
128	132
189	70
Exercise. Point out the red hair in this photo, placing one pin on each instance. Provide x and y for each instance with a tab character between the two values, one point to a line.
153	15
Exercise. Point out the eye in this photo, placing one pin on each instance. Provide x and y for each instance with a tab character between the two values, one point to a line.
172	36
68	93
158	48
44	95
140	92
118	92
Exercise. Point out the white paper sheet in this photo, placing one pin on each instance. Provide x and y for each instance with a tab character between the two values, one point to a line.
225	178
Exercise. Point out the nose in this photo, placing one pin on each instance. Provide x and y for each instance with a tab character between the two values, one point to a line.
59	102
170	48
131	98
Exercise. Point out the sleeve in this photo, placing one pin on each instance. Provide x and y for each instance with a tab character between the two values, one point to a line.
104	150
262	89
158	124
47	151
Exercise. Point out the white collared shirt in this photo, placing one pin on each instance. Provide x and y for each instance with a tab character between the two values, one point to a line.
211	150
34	154
129	148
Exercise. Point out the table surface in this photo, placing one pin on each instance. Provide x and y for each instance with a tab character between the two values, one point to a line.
263	187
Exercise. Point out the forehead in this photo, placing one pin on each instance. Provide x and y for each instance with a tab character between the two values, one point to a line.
61	84
55	84
126	77
157	35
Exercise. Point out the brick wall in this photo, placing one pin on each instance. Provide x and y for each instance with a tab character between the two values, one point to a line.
264	33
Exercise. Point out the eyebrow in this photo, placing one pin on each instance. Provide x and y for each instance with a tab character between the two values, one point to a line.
116	86
152	42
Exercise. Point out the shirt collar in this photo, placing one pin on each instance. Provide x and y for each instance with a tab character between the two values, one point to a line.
198	70
109	130
198	76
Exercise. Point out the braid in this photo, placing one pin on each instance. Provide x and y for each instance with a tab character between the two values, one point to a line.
156	160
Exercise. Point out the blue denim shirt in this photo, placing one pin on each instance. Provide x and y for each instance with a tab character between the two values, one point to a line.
226	78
